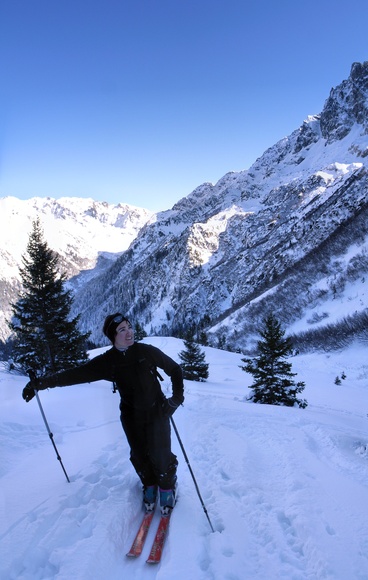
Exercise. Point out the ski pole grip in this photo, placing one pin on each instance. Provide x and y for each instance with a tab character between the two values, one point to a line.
32	375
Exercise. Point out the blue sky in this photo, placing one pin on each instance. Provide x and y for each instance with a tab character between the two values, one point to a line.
141	101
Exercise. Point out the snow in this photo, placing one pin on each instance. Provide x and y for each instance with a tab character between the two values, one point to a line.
204	238
286	489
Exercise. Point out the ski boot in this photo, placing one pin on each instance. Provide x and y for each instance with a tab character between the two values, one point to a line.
149	497
167	500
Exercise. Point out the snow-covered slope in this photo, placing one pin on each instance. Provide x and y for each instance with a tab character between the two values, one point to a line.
286	489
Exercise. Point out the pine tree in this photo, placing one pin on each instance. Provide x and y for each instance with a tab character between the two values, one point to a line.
46	340
221	343
273	380
203	338
139	332
193	361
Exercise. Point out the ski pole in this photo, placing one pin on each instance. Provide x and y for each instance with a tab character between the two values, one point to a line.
191	472
32	376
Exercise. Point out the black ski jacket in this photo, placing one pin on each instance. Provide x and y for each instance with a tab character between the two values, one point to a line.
134	372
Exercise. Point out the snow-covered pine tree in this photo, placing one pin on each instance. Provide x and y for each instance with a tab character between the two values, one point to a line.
46	340
273	380
193	361
139	332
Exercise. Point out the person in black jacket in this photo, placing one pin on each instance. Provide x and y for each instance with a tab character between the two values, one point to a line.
144	410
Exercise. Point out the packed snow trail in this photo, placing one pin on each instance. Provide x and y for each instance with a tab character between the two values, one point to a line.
286	489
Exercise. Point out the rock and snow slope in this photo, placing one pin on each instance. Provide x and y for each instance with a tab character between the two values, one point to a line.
272	231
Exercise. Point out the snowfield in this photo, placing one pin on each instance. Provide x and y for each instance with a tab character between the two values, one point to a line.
286	489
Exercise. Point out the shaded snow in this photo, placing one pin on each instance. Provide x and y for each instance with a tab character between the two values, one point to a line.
286	489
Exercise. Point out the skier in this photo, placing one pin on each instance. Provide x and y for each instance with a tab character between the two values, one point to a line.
145	411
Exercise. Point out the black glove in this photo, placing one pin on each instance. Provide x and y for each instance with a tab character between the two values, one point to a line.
29	390
170	405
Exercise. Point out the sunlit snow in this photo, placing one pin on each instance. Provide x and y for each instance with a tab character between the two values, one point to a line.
286	489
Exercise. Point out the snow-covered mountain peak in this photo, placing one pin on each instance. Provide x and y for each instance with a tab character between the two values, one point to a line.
106	227
346	105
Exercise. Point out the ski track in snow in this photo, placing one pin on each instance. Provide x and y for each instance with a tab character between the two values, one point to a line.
274	482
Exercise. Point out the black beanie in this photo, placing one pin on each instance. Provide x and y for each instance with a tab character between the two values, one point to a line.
110	325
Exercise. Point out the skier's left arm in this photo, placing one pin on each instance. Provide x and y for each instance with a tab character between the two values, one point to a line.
174	371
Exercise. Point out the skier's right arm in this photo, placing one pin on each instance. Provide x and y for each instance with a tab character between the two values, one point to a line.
94	370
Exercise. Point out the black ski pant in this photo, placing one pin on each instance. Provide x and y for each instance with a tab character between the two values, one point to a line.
149	437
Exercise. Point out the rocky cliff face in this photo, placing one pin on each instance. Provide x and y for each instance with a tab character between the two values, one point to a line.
346	105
